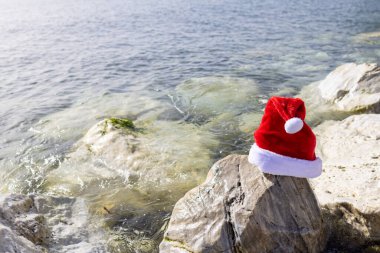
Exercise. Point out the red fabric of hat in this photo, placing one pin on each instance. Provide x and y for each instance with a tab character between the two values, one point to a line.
271	134
285	144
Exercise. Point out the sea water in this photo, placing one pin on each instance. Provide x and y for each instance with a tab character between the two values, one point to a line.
200	70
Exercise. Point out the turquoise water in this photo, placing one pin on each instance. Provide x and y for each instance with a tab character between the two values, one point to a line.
209	66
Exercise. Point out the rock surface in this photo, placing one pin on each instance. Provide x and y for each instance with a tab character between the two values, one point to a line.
34	224
350	88
240	209
11	242
349	187
353	87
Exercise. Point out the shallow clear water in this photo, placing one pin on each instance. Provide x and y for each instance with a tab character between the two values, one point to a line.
65	65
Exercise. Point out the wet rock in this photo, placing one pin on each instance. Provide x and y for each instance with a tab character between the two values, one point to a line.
18	211
33	227
240	209
349	187
166	155
12	242
44	223
127	174
349	89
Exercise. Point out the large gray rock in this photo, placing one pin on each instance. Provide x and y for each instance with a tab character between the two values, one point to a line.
349	187
349	89
240	209
34	224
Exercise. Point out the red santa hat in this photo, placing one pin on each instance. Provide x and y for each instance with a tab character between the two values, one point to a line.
284	142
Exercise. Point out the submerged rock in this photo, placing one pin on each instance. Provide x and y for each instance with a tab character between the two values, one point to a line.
153	158
370	38
250	121
240	209
349	187
349	89
129	173
34	224
210	96
72	122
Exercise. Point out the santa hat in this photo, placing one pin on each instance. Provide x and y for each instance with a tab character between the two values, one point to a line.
284	142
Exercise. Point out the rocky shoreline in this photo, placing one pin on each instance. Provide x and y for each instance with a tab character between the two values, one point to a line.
282	211
237	200
340	210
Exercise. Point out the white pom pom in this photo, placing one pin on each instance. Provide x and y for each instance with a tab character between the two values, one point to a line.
293	125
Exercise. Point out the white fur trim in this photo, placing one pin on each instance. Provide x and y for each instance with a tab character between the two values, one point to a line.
276	164
293	125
